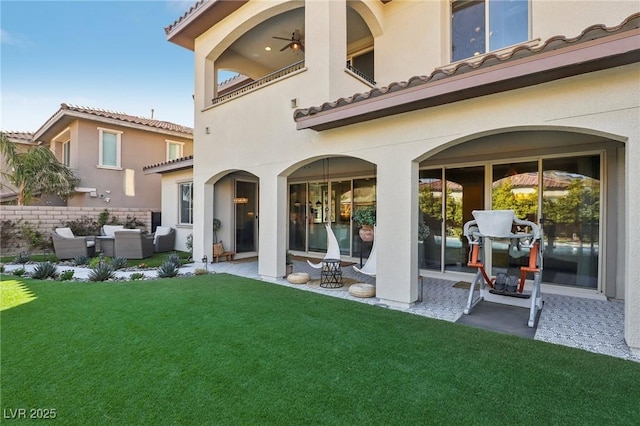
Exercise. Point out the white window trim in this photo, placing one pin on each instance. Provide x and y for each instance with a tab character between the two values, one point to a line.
118	134
180	222
66	145
168	150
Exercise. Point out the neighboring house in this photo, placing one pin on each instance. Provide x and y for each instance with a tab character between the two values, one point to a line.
370	98
107	150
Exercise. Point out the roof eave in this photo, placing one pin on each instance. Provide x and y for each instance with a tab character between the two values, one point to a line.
62	113
169	167
594	55
185	32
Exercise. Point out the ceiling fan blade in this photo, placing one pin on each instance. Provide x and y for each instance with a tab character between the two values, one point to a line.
285	48
282	38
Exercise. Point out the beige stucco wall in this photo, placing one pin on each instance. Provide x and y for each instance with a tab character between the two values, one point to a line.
603	103
124	187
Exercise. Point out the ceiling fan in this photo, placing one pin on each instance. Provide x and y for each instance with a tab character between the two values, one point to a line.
294	42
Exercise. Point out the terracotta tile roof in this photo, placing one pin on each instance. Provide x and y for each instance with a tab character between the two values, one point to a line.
20	137
485	61
170	166
149	122
184	16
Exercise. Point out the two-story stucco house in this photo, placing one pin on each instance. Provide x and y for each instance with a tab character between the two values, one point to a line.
425	110
107	150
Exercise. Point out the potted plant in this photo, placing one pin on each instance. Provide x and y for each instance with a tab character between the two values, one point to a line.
366	218
216	226
289	262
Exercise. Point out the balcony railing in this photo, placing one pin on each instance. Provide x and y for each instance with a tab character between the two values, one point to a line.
257	83
360	74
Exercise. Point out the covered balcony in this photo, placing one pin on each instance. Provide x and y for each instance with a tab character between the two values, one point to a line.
275	49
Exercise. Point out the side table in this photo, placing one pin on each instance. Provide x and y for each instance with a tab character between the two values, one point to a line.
331	275
107	245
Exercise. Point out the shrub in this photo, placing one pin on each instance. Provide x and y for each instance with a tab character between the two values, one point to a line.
66	275
22	258
83	226
102	272
80	260
136	276
98	260
143	265
34	238
133	222
168	269
103	219
44	270
201	271
19	272
119	263
9	234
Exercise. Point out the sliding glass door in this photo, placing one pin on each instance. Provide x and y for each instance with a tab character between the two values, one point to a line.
563	194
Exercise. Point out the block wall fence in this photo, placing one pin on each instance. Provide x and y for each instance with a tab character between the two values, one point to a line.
46	218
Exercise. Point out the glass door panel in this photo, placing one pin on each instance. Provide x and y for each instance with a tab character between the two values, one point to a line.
464	193
430	219
364	195
246	204
514	187
318	197
571	219
298	216
341	214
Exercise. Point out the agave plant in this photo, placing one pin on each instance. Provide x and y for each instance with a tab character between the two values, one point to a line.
102	272
175	259
44	270
22	258
119	262
81	260
168	269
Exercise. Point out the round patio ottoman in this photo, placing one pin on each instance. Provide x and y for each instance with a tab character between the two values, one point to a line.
362	290
298	278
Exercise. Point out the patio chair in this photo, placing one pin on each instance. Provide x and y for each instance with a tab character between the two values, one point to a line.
68	246
369	267
133	244
108	230
333	249
164	239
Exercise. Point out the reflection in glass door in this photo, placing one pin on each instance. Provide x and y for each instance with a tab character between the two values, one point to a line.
246	205
430	219
464	194
319	199
571	220
514	187
341	213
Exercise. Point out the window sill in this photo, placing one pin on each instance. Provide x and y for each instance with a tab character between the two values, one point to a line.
98	166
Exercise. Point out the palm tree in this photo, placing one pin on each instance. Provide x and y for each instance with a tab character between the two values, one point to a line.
35	172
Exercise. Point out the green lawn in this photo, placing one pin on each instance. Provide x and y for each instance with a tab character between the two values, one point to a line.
219	349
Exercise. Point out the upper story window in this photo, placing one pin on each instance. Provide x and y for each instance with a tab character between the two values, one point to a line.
175	150
66	153
110	148
186	203
480	26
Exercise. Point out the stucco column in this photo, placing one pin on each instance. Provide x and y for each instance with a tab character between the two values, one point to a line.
326	44
272	227
632	252
202	218
397	233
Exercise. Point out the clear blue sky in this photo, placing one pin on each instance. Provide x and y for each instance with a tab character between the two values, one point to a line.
102	54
